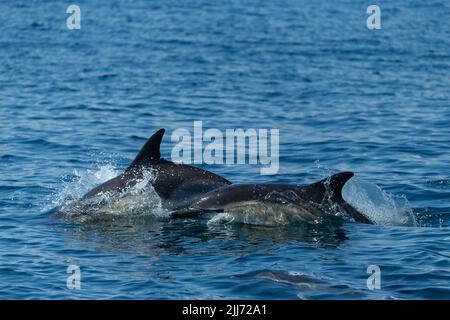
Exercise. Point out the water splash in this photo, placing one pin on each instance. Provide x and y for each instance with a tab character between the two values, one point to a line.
378	205
138	199
81	181
221	218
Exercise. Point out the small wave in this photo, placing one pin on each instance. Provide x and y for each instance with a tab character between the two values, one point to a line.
439	184
433	217
12	156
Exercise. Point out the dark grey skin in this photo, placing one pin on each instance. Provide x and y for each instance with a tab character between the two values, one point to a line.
178	185
305	202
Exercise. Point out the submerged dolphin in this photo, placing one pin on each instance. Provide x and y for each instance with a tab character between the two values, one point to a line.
177	185
277	203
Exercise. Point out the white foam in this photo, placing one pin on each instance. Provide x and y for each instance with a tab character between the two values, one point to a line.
137	200
220	218
84	180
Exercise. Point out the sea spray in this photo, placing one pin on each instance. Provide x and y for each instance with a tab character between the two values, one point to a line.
378	205
139	199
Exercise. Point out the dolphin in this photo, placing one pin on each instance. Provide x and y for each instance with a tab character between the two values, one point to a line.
277	203
177	185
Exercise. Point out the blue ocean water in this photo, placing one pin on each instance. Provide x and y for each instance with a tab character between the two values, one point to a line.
76	105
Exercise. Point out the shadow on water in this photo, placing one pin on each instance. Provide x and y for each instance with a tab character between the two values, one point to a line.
307	284
153	236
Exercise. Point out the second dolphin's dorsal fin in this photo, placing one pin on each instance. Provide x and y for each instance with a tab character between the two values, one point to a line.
336	182
150	152
331	188
328	188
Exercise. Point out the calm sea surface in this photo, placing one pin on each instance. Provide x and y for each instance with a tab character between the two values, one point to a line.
76	106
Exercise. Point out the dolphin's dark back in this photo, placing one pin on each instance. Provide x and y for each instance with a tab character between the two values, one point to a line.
180	184
323	194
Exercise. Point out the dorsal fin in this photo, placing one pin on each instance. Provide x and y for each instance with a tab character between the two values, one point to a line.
332	186
150	151
336	183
